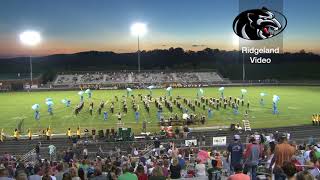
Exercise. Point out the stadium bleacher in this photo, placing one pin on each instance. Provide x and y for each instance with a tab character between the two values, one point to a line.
134	77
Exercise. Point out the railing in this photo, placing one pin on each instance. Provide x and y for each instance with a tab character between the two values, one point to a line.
29	156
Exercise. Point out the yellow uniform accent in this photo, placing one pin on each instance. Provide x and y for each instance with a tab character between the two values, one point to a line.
29	133
78	132
69	133
1	135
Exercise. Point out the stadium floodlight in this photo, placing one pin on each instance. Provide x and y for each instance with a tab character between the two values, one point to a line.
138	29
30	38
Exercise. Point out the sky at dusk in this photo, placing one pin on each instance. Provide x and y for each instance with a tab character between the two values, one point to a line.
69	26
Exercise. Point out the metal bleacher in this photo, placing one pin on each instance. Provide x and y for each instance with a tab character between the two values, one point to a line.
134	77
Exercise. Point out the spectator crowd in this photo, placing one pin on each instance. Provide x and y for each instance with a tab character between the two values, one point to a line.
257	157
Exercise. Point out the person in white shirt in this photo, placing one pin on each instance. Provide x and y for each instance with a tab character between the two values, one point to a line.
200	169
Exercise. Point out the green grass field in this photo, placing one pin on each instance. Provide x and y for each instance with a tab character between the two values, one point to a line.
296	106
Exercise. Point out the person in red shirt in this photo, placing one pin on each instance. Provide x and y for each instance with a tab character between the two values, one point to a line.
140	173
238	174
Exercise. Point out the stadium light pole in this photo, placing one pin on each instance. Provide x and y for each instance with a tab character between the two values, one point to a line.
30	38
243	69
138	29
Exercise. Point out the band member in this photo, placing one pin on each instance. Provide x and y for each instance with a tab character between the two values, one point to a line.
105	115
176	117
29	134
102	104
225	105
69	133
16	134
248	105
210	113
78	132
313	119
119	117
48	133
137	115
90	110
203	120
148	108
144	126
125	108
94	134
1	135
112	108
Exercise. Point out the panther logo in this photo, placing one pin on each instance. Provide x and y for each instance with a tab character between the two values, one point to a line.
258	24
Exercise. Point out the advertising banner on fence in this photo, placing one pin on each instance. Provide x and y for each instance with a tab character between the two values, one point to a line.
219	141
189	142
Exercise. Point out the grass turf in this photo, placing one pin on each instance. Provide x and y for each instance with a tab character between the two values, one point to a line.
296	106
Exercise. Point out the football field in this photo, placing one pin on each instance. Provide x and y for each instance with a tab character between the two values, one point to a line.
296	106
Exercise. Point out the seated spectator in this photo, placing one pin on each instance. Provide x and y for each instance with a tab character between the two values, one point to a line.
214	172
165	168
304	175
200	169
314	171
81	174
141	173
289	170
127	173
37	174
238	174
66	176
74	174
23	176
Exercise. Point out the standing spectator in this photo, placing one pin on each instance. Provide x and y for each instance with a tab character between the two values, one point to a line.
235	150
182	162
38	150
283	152
251	156
175	169
203	140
